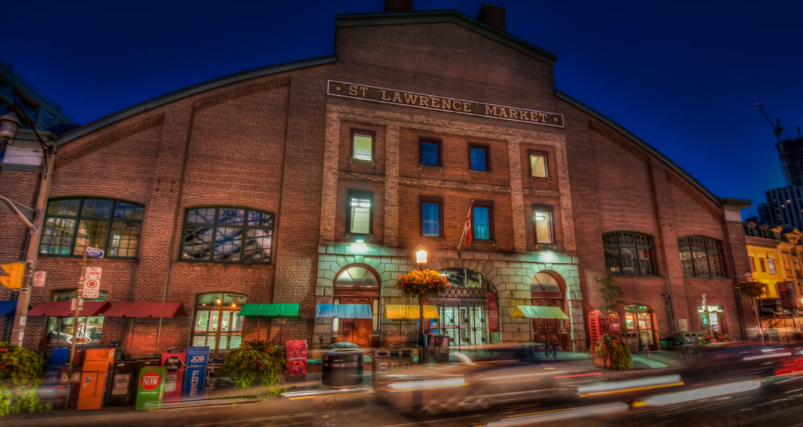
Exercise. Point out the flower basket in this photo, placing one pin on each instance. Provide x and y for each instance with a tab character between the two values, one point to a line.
421	284
709	338
614	353
749	289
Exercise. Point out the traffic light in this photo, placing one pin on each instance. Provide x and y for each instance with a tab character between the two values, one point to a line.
15	272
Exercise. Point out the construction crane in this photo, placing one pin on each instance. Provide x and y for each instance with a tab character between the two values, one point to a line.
776	127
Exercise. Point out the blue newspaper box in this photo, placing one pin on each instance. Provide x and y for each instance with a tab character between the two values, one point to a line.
195	373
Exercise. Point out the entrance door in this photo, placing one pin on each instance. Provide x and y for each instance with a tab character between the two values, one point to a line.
645	331
548	330
357	331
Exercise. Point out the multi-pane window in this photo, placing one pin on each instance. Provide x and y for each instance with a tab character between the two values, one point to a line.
763	266
218	323
431	216
482	221
430	152
538	168
356	276
479	157
701	257
542	217
61	330
362	145
629	254
230	235
771	265
72	225
752	263
360	212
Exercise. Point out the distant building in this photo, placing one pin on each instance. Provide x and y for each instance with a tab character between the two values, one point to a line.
791	153
33	102
784	207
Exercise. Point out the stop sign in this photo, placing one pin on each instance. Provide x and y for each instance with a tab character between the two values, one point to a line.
150	380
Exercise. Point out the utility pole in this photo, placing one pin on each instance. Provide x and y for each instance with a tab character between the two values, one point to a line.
79	302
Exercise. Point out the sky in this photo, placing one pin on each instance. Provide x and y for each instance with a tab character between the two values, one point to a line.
682	75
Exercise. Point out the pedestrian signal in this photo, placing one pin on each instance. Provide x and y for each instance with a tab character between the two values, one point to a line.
15	272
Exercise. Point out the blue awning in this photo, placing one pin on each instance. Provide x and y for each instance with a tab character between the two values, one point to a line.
344	311
7	308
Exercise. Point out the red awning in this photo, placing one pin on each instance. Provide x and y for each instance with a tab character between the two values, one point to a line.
146	309
62	309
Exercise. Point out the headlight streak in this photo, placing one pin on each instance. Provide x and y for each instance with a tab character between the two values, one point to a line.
561	414
601	389
427	384
697	394
768	356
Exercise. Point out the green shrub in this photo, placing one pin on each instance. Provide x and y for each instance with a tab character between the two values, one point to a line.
255	360
21	372
614	346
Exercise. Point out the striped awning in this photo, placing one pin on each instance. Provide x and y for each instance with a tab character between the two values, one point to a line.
146	309
270	311
538	312
63	309
411	312
344	311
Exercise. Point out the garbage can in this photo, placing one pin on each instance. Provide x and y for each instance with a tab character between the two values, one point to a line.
123	381
342	368
439	348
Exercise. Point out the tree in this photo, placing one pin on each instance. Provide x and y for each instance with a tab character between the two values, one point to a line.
610	292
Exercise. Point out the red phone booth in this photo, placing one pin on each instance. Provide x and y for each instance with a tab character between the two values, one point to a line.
599	325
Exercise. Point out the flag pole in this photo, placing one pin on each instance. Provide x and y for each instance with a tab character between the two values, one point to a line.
471	205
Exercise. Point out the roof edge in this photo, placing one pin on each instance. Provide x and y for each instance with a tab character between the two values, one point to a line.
640	142
448	15
189	91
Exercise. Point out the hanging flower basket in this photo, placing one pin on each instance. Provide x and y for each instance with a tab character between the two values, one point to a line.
422	284
749	289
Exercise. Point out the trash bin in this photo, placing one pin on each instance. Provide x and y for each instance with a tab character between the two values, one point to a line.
342	369
123	381
439	348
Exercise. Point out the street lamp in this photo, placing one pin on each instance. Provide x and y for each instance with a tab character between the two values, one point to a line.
420	260
9	124
748	276
420	255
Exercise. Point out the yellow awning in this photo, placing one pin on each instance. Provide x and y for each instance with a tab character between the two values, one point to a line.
537	312
409	312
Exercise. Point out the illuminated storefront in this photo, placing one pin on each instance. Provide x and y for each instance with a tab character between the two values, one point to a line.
61	330
218	323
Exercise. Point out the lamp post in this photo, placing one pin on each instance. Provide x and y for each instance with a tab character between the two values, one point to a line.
420	260
33	218
748	276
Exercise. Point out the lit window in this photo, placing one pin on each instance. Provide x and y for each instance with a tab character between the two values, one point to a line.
543	226
218	324
481	221
629	254
360	213
61	330
430	152
771	265
479	157
538	165
431	217
362	145
221	234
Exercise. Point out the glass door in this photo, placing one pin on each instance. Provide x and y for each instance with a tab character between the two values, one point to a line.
218	324
645	329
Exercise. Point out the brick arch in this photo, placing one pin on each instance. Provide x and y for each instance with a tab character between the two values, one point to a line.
227	201
365	266
635	229
558	278
122	195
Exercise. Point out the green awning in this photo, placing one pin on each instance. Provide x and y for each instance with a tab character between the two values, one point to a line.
270	311
538	312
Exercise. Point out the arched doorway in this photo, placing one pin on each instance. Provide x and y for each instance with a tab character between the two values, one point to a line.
469	312
357	284
639	327
549	290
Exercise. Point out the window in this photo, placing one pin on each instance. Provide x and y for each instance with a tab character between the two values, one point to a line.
542	217
763	267
629	254
356	276
430	152
72	225
702	257
431	216
362	144
229	235
482	220
360	217
60	330
771	265
479	157
752	263
218	323
538	165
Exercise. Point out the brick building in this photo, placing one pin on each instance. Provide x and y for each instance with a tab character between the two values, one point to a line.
312	182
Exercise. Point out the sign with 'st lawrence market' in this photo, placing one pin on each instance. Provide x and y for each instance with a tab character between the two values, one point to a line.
440	103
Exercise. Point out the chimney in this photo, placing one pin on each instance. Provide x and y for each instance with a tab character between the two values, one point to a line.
491	15
398	6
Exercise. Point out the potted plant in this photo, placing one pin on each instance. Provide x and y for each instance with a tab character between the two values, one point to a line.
710	337
21	373
421	284
255	361
614	353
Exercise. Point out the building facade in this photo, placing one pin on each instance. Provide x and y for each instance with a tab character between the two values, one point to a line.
784	207
313	182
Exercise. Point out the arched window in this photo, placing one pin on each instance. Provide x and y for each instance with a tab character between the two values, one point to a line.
356	277
72	225
544	282
701	256
229	235
629	254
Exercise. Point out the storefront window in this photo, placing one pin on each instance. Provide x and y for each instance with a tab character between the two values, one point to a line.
61	330
711	318
218	323
630	321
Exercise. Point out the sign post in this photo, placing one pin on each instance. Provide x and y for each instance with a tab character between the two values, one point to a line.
150	388
39	279
78	305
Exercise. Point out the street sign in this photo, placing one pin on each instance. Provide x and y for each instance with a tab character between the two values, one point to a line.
91	289
39	278
93	252
93	273
76	304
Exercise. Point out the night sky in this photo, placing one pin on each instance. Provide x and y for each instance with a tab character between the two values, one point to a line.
682	75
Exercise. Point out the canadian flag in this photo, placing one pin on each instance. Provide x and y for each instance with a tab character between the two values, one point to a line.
467	227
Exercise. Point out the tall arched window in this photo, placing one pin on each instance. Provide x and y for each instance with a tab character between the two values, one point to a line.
629	254
701	256
72	225
228	235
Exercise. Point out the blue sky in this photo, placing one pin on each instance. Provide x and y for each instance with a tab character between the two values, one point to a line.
682	75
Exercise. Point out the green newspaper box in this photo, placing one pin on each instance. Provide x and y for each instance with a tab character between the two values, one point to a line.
150	388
